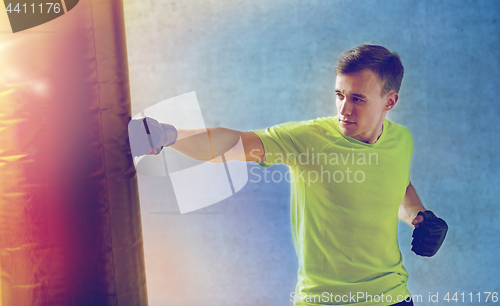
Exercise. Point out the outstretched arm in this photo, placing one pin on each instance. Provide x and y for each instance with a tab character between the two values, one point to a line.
148	136
206	144
409	208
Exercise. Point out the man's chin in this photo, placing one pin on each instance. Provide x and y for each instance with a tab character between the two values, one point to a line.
347	132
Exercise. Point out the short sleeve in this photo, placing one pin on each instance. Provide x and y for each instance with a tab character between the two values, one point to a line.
281	143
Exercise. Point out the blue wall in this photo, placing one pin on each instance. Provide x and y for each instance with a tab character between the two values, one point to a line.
256	63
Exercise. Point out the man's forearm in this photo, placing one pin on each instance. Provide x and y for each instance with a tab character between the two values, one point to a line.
410	206
206	144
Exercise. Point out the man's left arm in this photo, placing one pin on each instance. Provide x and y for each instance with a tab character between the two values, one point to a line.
410	206
429	232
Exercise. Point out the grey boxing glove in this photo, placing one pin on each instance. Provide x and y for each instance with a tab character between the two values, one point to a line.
147	134
428	236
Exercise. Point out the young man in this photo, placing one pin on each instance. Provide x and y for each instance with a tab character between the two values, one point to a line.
350	177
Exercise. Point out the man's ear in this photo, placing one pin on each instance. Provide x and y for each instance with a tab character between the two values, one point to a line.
391	100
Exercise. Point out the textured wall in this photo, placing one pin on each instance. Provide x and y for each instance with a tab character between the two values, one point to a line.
256	63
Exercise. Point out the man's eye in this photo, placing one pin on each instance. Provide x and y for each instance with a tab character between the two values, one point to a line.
357	100
340	96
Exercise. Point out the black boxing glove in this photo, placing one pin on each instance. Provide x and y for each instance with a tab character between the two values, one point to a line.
428	236
147	134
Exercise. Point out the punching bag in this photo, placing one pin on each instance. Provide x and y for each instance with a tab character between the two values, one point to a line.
70	225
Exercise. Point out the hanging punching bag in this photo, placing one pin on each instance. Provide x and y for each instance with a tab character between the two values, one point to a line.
70	226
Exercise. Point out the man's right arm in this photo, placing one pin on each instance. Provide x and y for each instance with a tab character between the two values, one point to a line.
206	144
147	136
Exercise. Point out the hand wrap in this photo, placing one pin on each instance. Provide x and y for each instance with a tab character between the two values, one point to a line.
428	236
147	134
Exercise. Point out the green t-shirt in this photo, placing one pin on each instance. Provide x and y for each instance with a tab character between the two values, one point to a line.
345	196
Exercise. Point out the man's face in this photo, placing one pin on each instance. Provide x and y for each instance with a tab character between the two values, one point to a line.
361	108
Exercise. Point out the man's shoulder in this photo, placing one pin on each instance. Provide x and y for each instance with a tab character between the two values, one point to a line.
311	122
306	131
302	126
396	128
399	134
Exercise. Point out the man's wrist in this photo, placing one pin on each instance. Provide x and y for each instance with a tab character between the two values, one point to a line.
169	134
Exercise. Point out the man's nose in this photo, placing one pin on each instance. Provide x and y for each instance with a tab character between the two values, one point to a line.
345	108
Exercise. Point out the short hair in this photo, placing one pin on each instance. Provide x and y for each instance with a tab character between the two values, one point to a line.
387	65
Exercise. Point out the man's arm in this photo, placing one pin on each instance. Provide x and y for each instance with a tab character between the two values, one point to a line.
148	136
409	208
430	231
206	144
